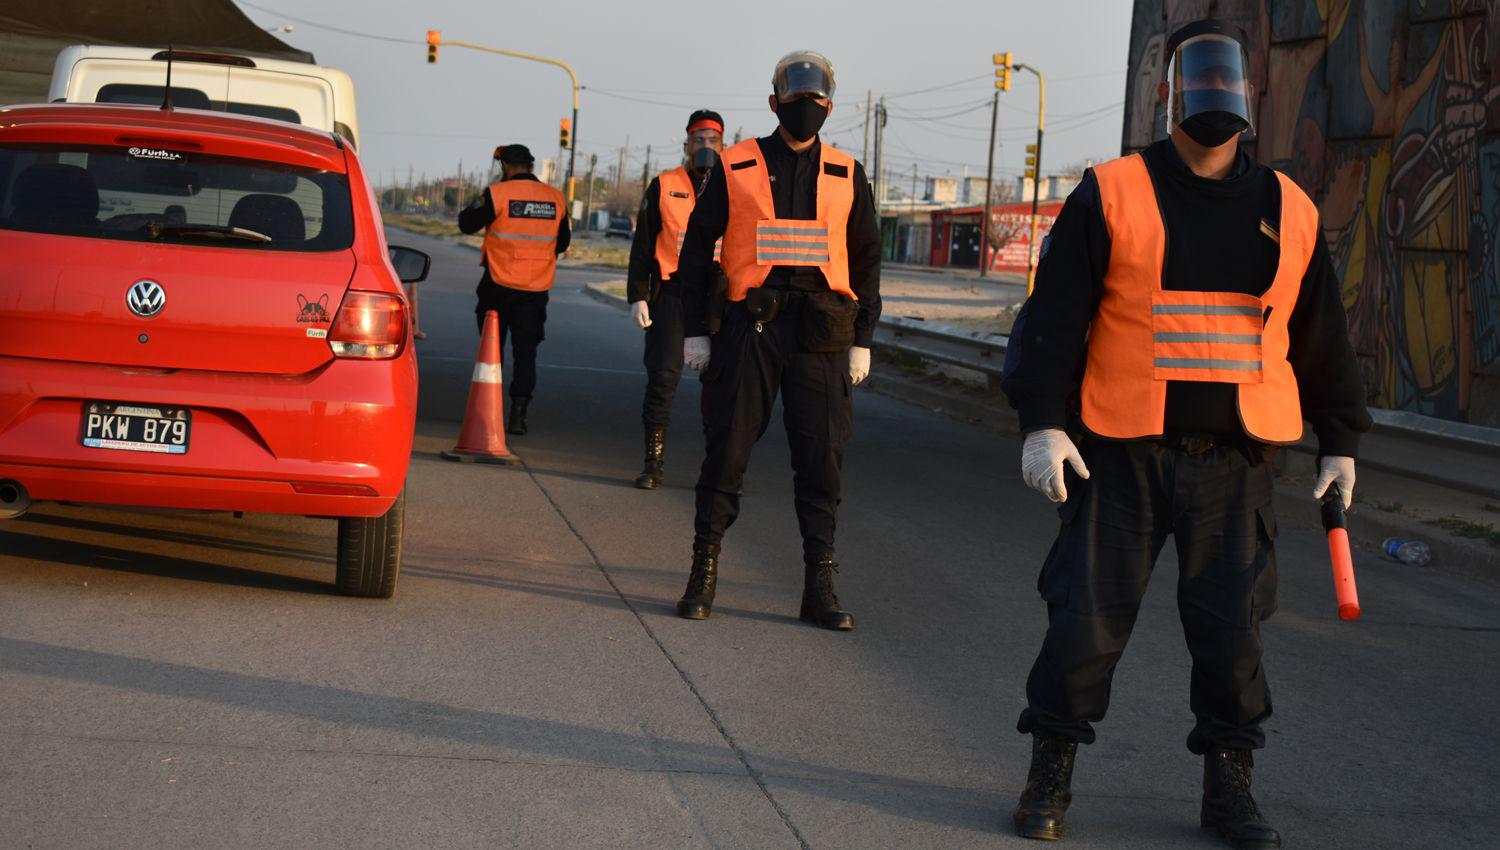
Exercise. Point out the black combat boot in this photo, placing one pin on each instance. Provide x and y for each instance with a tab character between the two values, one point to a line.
819	604
697	601
656	447
1228	808
518	407
1048	792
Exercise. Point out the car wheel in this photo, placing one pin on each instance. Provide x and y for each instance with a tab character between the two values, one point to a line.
370	552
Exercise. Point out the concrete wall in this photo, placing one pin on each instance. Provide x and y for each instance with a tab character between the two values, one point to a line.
1387	112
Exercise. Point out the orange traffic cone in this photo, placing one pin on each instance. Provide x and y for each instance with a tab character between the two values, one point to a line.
482	438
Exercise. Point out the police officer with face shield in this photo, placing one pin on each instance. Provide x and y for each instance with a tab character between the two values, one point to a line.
1186	320
652	287
801	260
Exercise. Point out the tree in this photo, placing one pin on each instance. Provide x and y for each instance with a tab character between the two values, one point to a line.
1005	225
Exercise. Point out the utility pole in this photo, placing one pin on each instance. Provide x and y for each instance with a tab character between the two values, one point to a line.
879	156
989	192
646	170
620	171
588	205
869	96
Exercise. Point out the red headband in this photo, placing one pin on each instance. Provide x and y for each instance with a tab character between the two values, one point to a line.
703	123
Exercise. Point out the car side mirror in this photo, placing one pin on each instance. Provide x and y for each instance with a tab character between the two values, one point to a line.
411	265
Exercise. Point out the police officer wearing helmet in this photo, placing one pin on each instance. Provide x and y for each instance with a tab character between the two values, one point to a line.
652	286
525	224
1186	320
801	258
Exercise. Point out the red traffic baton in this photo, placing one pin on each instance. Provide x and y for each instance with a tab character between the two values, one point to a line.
1337	526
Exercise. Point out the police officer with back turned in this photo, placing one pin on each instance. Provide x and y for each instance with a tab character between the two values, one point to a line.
525	224
801	255
1186	319
652	287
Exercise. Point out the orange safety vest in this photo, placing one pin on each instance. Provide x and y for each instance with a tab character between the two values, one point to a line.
520	245
1143	336
675	206
755	239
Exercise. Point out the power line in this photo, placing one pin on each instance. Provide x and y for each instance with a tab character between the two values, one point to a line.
316	25
937	87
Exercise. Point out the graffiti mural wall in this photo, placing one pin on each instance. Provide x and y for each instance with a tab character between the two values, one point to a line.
1387	112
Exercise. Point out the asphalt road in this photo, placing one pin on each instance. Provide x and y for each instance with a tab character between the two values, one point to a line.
192	681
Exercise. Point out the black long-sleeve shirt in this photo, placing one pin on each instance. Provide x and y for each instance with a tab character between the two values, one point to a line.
794	193
1214	243
643	265
481	211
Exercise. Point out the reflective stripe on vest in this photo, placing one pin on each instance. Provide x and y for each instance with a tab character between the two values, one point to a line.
520	245
755	240
1143	336
674	206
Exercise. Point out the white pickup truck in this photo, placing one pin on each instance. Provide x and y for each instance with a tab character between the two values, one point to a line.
299	92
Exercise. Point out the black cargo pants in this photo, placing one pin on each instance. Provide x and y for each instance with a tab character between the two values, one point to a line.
663	357
749	366
523	318
1216	505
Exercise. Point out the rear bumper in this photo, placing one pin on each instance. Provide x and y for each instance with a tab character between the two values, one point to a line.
333	442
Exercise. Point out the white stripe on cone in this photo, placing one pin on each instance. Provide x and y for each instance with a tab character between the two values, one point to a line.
486	373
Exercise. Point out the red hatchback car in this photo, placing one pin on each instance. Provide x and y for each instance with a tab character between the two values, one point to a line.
200	311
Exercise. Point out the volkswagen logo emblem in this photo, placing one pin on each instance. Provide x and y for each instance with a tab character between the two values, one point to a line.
145	298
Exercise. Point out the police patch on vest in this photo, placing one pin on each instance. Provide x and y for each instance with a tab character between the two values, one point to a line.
533	209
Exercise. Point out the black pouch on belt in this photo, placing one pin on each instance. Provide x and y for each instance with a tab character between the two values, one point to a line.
827	322
763	304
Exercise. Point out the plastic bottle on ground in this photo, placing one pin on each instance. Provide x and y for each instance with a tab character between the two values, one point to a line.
1413	552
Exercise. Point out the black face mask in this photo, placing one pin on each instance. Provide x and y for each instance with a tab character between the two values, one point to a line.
802	118
703	159
1213	128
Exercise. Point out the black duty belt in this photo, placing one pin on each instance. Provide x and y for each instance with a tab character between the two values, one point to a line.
1195	444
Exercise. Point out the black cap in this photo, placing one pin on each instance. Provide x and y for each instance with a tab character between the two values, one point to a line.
1204	27
514	155
705	115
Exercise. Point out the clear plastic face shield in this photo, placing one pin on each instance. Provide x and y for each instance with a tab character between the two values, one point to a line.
803	74
1209	74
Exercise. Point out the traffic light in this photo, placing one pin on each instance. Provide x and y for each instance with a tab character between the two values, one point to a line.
1031	161
564	131
1003	63
434	38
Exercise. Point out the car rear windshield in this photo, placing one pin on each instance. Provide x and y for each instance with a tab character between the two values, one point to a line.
150	195
185	98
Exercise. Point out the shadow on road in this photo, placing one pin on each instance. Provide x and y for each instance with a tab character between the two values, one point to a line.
73	553
555	742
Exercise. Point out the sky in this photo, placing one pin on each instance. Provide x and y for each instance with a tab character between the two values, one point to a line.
646	64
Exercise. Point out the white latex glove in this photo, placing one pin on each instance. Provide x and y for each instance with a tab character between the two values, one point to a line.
641	313
695	353
1042	458
1336	470
859	364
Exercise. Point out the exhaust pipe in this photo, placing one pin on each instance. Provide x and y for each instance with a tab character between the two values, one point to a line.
14	500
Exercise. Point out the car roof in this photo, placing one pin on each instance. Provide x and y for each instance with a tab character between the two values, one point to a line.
213	132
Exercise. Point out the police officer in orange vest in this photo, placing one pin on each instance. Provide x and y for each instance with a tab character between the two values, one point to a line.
801	255
652	287
525	224
1186	319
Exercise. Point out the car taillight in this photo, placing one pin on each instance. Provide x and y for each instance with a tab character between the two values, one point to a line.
369	326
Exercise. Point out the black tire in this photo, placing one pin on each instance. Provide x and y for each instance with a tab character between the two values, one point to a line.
369	559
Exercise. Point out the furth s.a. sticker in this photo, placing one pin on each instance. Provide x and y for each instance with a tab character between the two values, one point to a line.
154	153
533	209
313	311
